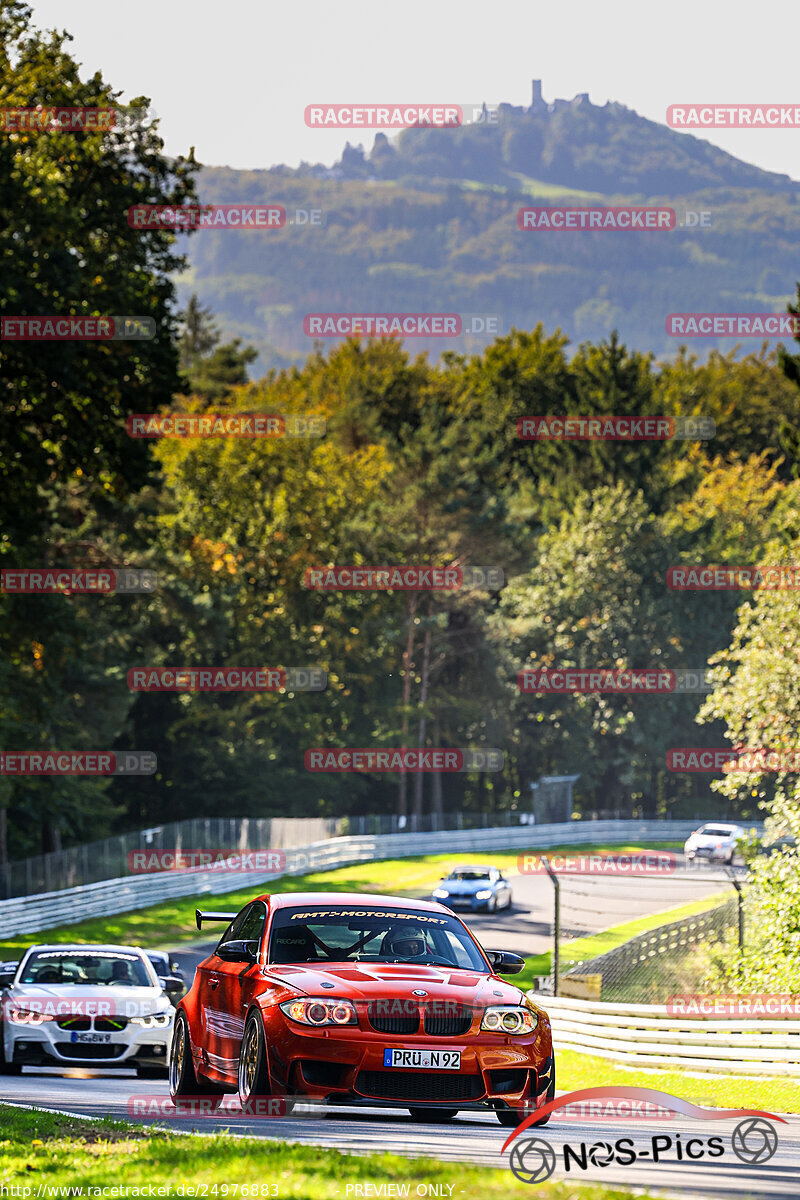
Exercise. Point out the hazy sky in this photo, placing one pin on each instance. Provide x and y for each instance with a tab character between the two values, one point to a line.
233	78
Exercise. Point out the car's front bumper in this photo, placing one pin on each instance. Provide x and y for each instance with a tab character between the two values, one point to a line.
496	1071
466	903
33	1047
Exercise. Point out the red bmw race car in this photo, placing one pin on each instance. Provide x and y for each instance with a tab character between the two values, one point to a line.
360	999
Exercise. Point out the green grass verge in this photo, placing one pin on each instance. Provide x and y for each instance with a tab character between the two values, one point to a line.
721	1091
170	923
37	1148
581	949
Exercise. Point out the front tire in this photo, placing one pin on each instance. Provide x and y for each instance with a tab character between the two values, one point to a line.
253	1069
183	1082
433	1116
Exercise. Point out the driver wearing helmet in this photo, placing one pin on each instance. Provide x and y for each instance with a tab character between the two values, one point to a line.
406	942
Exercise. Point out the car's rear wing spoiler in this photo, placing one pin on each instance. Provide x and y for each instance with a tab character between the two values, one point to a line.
212	916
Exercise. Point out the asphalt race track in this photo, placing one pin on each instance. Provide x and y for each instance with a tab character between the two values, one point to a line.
589	903
472	1138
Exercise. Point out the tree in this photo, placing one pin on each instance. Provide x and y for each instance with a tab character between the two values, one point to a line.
212	370
66	248
67	465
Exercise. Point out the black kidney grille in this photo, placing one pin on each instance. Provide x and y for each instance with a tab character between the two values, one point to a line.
397	1025
418	1085
79	1024
449	1024
110	1024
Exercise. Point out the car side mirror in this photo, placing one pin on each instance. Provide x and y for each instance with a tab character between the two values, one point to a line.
238	950
504	962
171	984
7	978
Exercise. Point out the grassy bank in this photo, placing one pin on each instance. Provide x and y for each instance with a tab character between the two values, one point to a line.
39	1148
172	922
718	1091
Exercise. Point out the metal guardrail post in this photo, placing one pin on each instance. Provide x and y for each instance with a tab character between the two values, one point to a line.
556	919
740	913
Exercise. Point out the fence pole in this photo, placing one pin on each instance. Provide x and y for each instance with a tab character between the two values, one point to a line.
556	919
740	913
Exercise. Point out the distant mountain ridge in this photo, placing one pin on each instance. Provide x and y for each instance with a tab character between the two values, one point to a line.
596	148
427	222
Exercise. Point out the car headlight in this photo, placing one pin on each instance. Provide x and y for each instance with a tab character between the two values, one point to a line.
486	894
26	1016
509	1019
319	1010
153	1020
440	893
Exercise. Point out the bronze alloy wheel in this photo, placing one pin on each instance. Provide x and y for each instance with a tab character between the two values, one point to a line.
177	1058
182	1079
249	1060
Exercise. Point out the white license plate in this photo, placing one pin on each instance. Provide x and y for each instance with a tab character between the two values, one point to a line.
419	1060
91	1037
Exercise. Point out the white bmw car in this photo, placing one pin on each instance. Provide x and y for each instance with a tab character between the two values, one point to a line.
715	841
86	1006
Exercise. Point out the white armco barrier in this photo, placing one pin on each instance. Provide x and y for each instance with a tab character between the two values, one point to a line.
30	914
643	1035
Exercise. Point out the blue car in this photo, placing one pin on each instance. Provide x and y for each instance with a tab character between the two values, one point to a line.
480	889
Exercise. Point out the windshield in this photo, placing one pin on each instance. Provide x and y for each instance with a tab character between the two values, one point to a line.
715	831
469	876
93	968
339	934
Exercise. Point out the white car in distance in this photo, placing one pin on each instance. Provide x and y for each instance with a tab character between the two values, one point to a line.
714	842
86	1006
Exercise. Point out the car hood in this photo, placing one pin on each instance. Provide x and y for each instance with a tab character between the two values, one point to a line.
79	999
375	981
709	839
465	887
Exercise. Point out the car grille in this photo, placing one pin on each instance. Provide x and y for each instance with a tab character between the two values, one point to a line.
88	1050
110	1024
397	1025
448	1024
78	1024
418	1085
